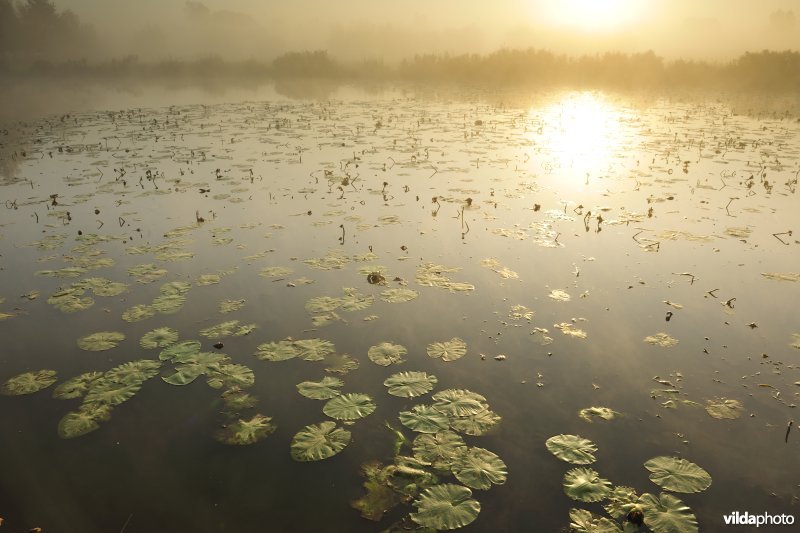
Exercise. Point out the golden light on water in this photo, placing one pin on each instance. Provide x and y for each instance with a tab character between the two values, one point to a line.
582	133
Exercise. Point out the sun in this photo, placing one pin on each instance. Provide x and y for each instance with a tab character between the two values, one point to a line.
593	15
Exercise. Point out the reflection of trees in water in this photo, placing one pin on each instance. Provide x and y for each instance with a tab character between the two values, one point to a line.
34	29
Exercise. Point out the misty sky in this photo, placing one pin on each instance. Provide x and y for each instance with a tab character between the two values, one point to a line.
359	29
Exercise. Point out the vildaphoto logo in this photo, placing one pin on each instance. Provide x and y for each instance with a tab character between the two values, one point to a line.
764	519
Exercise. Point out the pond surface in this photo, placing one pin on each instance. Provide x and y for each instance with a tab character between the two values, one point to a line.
630	255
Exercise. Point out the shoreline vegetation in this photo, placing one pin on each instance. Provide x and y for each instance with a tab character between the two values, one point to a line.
766	70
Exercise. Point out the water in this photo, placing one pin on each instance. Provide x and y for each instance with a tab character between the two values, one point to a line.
537	171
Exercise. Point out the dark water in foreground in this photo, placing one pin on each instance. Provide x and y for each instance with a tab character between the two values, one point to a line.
696	202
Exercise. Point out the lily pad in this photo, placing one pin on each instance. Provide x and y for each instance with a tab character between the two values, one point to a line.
667	514
78	423
349	406
572	449
276	351
313	349
446	506
591	413
158	338
133	372
586	485
424	419
386	353
450	350
137	313
275	272
340	363
229	306
244	432
677	475
479	468
582	521
169	304
398	295
440	449
325	389
231	328
478	424
230	376
111	393
661	339
410	384
29	382
316	442
458	403
76	387
103	340
180	351
724	408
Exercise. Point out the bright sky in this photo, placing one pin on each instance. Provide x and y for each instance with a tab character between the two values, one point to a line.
703	29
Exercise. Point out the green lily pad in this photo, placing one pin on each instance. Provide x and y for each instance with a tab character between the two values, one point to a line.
677	475
169	304
111	393
621	501
137	313
133	372
586	485
175	287
386	353
146	273
103	340
244	432
229	306
180	351
158	338
591	413
275	272
324	389
424	419
410	384
667	514
78	423
204	280
724	408
105	287
446	506
195	366
572	449
380	496
661	339
276	351
398	295
231	328
440	449
76	387
323	304
230	376
340	363
355	301
478	424
457	403
316	442
313	349
349	406
479	468
582	521
236	400
29	382
450	350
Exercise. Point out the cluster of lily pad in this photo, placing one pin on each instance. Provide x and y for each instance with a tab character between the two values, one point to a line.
71	299
628	511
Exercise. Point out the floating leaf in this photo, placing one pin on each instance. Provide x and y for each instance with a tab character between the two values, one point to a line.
477	424
667	514
724	408
158	338
275	272
621	501
349	406
410	384
103	340
569	329
29	382
661	339
355	301
586	485
78	423
380	497
175	287
180	351
559	296
76	387
276	351
424	419
133	372
146	273
168	304
316	442
111	393
458	403
582	521
677	475
231	328
439	449
479	468
137	313
313	349
398	295
204	280
450	350
236	400
229	306
340	363
572	449
324	389
446	506
195	366
386	353
590	413
230	376
244	432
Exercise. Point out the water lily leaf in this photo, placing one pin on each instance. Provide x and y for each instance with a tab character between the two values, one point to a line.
424	419
591	413
231	328
582	521
111	393
103	340
168	304
559	296
439	449
569	329
137	313
478	424
204	280
174	287
244	432
355	301
479	468
340	363
180	351
586	485
229	306
398	295
380	497
621	501
158	338
236	400
661	339
386	353
457	403
323	304
195	366
133	372
432	275
572	449
76	387
78	423
29	382
349	406
275	272
446	506
316	442
450	350
276	351
146	273
677	475
104	287
325	389
724	408
410	384
70	303
230	376
667	514
313	349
